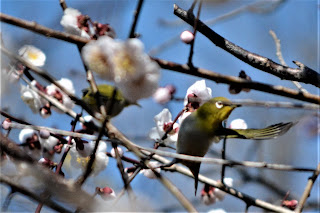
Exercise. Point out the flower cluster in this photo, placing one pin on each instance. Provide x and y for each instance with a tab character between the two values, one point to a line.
38	104
210	194
149	173
164	121
197	94
76	23
80	155
124	63
36	145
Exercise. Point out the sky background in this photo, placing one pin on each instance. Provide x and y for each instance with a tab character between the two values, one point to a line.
296	24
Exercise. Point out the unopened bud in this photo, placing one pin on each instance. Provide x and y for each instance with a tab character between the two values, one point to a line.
106	193
6	124
187	37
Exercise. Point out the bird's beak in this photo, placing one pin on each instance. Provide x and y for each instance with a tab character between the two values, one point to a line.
227	111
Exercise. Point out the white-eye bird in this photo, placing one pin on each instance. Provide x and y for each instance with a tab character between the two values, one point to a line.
106	92
204	126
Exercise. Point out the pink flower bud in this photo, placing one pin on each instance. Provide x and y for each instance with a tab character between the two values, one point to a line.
106	193
291	204
6	124
187	37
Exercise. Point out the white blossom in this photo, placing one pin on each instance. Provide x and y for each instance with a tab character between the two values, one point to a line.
238	124
113	152
198	92
148	172
217	211
31	98
33	55
80	158
55	92
69	22
124	63
48	143
30	139
219	193
164	94
163	121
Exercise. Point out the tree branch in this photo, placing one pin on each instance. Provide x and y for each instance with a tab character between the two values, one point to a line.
302	74
226	79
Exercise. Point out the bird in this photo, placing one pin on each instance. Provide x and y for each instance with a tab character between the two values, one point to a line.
106	92
204	126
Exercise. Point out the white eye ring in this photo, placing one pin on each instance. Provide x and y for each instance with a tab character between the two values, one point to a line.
219	104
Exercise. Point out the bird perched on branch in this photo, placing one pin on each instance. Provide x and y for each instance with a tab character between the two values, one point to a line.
105	94
204	126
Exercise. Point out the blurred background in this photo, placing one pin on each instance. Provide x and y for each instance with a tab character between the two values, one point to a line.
296	23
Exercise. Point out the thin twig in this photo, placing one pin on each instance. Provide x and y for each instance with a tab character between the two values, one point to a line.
63	4
223	153
308	188
229	163
135	20
280	57
124	175
194	31
89	168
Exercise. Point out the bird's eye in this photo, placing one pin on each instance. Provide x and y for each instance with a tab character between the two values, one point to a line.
219	104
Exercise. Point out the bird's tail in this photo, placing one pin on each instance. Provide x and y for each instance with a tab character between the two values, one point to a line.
194	168
269	132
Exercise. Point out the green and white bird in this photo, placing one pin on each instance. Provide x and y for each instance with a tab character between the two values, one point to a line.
204	126
106	92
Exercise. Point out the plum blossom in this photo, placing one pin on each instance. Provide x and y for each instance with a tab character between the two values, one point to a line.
31	98
124	63
197	94
29	140
210	194
75	23
113	152
163	121
33	55
217	211
148	172
238	124
80	155
164	94
106	193
55	92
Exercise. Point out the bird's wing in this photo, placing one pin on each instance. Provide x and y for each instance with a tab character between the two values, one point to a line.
258	134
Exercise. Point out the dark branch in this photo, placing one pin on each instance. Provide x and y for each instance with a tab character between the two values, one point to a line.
226	79
302	74
135	21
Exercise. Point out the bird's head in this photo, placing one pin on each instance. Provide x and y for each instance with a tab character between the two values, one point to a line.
217	109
